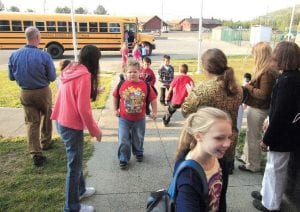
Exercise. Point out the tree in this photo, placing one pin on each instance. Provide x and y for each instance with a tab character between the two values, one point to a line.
81	10
14	9
1	6
100	10
30	10
63	10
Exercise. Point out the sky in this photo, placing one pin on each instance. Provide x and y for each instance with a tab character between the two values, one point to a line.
166	9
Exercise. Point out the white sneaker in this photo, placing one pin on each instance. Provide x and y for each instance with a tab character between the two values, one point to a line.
89	191
86	208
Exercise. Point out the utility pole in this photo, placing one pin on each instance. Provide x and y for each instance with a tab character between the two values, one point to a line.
291	23
200	37
162	16
74	32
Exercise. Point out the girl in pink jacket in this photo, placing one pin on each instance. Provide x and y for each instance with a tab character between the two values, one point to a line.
73	113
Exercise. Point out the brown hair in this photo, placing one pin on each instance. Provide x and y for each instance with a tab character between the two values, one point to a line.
286	56
262	58
201	121
185	68
63	64
214	61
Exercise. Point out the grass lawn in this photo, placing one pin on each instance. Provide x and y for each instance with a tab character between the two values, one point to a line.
240	64
10	91
27	188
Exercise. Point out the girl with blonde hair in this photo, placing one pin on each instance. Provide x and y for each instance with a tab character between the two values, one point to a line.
205	137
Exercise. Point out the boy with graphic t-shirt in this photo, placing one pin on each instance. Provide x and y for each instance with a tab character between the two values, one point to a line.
130	106
177	92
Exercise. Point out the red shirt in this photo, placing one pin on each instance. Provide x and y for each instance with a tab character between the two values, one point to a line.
179	90
133	99
147	75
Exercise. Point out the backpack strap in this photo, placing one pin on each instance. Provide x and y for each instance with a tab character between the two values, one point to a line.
118	92
172	191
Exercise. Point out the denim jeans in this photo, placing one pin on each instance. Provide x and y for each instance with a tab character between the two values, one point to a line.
75	185
131	136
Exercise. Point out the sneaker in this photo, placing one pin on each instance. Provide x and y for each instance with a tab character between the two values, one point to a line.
243	168
86	208
259	206
256	195
89	191
39	160
123	165
139	158
47	146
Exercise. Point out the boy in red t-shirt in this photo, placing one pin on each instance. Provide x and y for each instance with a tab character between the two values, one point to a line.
177	92
131	97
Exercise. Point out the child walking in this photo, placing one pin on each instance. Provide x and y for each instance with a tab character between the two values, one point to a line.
166	75
130	106
205	137
124	52
177	92
136	53
148	76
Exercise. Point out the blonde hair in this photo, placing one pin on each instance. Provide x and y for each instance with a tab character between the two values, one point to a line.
133	63
262	52
201	121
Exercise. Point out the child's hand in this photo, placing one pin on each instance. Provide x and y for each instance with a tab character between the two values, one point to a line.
153	115
189	88
100	90
117	113
99	137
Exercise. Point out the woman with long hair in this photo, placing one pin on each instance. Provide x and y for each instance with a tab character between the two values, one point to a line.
258	99
220	91
72	110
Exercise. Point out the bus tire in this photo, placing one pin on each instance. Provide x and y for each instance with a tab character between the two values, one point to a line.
55	51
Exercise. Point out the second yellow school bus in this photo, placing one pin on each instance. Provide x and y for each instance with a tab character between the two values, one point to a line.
104	31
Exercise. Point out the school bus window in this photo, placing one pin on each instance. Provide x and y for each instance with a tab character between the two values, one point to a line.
4	25
16	26
70	26
103	27
114	27
93	26
83	27
51	26
62	26
40	25
27	24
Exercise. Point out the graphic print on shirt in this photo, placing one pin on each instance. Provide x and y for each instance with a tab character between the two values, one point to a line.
215	188
133	99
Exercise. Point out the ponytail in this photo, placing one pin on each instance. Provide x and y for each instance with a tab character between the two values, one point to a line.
229	81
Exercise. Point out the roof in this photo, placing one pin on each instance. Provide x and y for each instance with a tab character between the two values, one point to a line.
145	19
204	21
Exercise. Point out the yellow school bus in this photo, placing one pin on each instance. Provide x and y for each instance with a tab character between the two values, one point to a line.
104	31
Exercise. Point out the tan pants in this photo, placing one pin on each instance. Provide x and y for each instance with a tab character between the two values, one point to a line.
37	106
251	152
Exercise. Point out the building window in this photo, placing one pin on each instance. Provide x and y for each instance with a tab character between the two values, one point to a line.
51	26
93	26
103	27
40	25
114	27
4	25
16	26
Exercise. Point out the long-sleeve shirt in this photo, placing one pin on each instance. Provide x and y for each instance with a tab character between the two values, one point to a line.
166	75
31	68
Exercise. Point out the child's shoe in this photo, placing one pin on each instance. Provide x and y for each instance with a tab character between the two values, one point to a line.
123	165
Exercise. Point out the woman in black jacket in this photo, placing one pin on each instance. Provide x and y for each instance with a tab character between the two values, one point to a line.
282	134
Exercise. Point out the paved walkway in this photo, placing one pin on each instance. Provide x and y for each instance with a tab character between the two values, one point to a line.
119	190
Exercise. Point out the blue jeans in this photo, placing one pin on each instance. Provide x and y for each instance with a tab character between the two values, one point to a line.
131	136
75	185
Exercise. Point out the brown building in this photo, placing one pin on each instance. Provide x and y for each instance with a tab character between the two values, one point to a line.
192	24
149	24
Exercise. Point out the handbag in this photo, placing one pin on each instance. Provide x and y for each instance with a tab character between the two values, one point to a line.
164	200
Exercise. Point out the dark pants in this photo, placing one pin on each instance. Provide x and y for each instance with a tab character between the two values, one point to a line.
163	94
171	110
37	106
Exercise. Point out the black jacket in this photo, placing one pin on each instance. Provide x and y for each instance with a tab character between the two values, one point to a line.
282	134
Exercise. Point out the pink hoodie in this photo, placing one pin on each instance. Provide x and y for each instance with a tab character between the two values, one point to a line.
73	107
